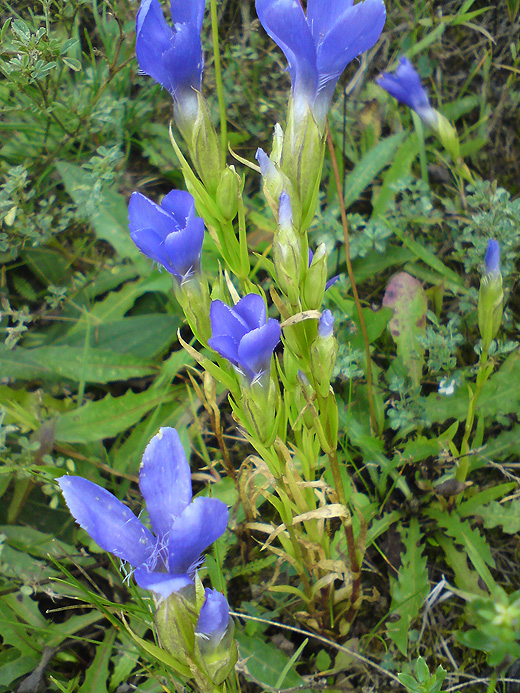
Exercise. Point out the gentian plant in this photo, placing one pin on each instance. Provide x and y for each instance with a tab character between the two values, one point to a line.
166	560
405	85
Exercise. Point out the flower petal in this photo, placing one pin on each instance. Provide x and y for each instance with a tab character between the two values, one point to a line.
191	12
179	204
184	247
252	310
256	348
145	214
151	245
108	521
321	16
154	39
357	30
214	615
165	480
201	523
226	347
162	584
225	322
285	23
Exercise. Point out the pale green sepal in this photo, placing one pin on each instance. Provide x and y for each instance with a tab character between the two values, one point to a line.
204	147
193	296
227	193
302	160
288	262
324	351
490	307
316	279
175	622
259	407
447	135
219	659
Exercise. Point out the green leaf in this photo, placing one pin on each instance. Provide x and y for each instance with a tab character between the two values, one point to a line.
411	587
74	363
110	221
96	675
108	417
407	298
500	395
265	661
505	515
143	336
473	543
366	170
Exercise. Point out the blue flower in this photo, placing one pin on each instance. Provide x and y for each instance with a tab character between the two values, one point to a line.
405	86
172	56
183	527
492	258
169	233
326	324
214	619
319	47
244	336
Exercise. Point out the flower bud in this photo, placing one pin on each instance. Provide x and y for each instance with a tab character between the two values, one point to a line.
215	637
447	135
491	296
227	193
259	406
193	297
324	351
287	253
302	162
204	147
316	279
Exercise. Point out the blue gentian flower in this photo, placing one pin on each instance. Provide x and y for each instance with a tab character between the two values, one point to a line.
169	233
320	45
405	86
244	336
492	257
172	56
326	324
183	527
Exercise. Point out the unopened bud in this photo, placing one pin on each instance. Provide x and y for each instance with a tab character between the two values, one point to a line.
316	279
491	296
302	162
227	193
324	351
204	147
287	252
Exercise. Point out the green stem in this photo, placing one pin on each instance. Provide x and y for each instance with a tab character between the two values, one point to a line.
218	78
368	370
482	376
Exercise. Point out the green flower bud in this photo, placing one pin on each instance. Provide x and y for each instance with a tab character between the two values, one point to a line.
302	161
204	147
324	351
193	297
316	279
259	407
491	296
447	135
287	253
227	193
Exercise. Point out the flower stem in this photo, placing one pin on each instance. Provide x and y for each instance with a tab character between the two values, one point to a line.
218	78
484	371
373	419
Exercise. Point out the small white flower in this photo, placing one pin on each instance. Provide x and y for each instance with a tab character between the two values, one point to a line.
447	388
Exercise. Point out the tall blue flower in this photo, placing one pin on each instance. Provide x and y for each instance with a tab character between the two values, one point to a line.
405	86
244	336
320	45
183	527
172	55
169	233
